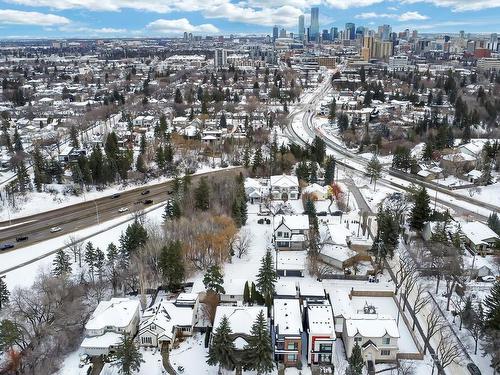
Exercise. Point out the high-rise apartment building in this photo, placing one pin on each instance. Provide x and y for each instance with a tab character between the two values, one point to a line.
314	31
220	57
384	32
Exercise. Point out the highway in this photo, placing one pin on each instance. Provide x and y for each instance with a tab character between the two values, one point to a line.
390	177
86	214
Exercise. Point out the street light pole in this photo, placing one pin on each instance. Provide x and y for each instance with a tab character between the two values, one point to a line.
96	211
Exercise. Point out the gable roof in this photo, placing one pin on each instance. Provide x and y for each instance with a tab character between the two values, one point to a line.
117	312
371	325
478	232
166	315
284	181
240	318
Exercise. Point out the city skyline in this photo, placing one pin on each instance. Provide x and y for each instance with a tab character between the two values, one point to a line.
133	18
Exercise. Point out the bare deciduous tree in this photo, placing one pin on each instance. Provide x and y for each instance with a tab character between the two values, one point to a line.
242	243
75	245
421	299
448	350
434	324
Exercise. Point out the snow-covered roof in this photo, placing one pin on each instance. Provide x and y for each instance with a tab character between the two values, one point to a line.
311	289
166	315
117	312
291	260
284	181
286	287
320	319
234	287
337	252
287	316
103	341
371	325
298	222
240	318
478	232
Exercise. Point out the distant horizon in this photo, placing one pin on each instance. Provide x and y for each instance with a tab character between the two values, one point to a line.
73	19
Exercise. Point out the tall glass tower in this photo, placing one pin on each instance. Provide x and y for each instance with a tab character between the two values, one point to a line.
301	27
314	23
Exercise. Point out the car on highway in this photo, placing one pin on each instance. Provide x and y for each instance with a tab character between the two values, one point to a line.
170	192
21	238
337	213
145	192
115	196
123	209
6	246
55	229
148	201
473	369
488	279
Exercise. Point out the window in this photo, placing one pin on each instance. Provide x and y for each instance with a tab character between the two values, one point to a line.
286	234
280	234
291	357
358	339
325	347
386	340
385	352
292	346
146	340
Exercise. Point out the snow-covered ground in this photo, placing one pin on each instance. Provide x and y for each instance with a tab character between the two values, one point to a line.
488	194
152	364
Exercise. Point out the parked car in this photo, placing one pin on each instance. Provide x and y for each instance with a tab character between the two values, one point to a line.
488	278
148	201
6	246
55	229
145	192
170	192
337	213
123	209
115	196
21	238
180	369
473	369
321	213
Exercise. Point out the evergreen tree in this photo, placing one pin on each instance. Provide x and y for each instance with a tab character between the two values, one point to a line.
259	351
333	110
342	122
127	356
374	169
99	259
266	278
141	164
178	96
318	149
134	237
143	145
111	146
387	237
329	170
4	293
223	121
486	178
61	264
356	361
172	265
222	349
202	195
213	280
421	211
23	178
494	223
18	144
492	307
90	258
247	298
257	159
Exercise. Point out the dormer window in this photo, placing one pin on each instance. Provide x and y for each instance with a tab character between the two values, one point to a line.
386	340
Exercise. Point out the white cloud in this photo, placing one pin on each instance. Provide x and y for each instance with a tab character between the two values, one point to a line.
179	26
17	17
83	30
460	5
346	4
407	16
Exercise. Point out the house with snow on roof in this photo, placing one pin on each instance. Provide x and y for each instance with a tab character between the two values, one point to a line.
287	331
377	335
284	187
165	321
479	237
291	232
107	325
321	335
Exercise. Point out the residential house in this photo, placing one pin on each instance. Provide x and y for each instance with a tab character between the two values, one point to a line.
163	322
335	241
291	232
291	263
284	187
320	333
377	336
107	325
479	237
287	331
233	291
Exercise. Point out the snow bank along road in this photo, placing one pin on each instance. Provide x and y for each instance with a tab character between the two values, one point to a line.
85	214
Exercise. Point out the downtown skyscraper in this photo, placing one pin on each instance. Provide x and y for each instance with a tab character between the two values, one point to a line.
301	30
314	31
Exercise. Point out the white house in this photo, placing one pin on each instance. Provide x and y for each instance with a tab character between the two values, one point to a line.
284	187
291	232
479	237
377	336
163	322
233	291
110	320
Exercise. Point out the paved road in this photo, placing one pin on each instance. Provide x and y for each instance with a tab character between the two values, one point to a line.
83	215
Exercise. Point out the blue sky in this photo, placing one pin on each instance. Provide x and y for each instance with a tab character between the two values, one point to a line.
142	18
